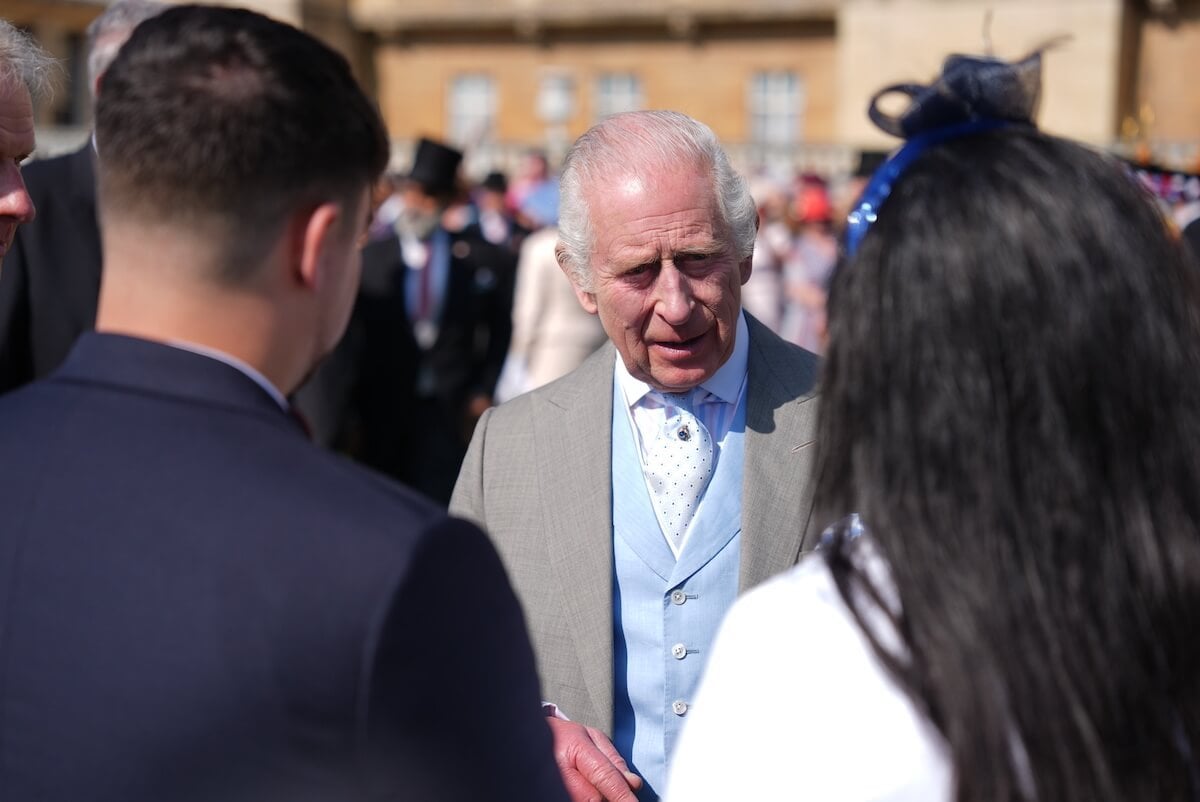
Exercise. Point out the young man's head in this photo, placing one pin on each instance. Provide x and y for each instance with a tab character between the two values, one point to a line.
236	155
108	32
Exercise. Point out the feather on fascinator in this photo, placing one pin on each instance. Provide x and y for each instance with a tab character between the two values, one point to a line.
973	94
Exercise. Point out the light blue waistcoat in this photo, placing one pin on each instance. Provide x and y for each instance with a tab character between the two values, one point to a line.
666	613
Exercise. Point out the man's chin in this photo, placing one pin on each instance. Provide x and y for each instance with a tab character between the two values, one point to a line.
676	378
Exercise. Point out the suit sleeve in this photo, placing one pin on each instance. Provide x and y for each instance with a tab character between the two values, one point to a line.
16	362
455	680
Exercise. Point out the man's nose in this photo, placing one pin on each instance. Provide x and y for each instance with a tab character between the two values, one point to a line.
14	199
674	295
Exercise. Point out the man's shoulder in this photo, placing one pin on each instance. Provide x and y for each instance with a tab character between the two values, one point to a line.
376	497
44	177
40	169
258	461
583	383
328	495
773	359
763	338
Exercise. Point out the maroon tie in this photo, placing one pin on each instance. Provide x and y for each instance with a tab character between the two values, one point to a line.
425	291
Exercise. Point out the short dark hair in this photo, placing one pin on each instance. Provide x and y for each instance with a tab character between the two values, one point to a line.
224	114
1011	401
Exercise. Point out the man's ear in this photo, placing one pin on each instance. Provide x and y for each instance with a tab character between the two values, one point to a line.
747	264
745	267
311	231
586	299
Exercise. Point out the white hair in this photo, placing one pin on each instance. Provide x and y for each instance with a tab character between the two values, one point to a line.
637	142
109	31
23	61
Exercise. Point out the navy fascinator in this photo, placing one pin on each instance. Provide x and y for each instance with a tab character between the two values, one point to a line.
973	94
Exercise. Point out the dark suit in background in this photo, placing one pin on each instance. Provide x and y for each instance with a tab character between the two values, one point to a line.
401	408
1191	238
199	604
51	277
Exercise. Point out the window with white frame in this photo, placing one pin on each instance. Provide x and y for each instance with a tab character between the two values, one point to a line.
617	92
776	105
472	106
556	98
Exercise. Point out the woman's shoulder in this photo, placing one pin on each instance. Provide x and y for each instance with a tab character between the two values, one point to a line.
794	672
809	593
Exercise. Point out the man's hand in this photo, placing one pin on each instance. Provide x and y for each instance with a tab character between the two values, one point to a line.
590	766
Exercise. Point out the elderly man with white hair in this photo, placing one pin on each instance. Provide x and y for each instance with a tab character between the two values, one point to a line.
24	74
634	498
49	291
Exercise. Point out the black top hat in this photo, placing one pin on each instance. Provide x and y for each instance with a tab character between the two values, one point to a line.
495	182
435	167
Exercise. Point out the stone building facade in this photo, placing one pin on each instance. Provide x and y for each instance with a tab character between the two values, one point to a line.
782	83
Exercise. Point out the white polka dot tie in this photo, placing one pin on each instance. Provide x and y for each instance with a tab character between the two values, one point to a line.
679	464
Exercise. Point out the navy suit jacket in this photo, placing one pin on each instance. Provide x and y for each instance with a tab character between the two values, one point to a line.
198	603
50	279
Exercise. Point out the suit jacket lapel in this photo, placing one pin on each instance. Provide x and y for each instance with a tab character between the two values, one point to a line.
573	432
777	481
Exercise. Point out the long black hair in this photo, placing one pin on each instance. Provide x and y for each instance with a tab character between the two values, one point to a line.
1011	401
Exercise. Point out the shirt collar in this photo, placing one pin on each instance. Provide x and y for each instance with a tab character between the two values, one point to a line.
725	384
233	362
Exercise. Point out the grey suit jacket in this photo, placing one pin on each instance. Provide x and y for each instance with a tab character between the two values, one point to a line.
538	478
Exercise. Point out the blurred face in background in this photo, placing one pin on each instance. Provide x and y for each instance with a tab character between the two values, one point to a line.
421	214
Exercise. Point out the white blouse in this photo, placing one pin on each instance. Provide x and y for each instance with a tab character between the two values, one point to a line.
794	705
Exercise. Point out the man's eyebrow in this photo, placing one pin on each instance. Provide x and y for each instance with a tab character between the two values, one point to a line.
703	248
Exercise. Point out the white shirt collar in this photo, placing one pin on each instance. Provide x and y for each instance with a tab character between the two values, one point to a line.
725	384
233	362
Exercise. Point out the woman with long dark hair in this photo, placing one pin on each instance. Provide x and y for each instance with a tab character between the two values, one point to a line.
1011	405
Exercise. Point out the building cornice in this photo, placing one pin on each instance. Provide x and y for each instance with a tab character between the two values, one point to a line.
388	16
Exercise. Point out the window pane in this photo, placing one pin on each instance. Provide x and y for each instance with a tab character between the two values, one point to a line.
617	92
776	100
472	109
556	99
